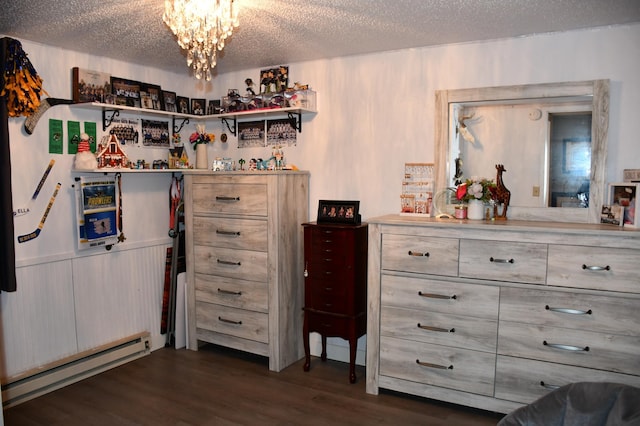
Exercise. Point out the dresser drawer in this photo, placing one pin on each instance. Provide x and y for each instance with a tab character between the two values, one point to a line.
428	255
230	233
328	296
524	380
437	365
241	264
572	347
232	321
441	329
503	261
232	292
594	268
230	198
440	296
606	314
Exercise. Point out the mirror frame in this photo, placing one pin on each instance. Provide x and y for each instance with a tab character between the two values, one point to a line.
597	90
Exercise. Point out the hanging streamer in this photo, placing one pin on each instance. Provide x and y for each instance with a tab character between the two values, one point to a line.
22	84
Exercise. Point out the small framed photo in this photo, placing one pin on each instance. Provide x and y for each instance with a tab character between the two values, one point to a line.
215	107
332	211
625	195
153	94
126	92
169	101
198	106
90	86
183	104
612	215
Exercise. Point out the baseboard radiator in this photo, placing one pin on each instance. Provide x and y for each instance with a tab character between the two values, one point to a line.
49	377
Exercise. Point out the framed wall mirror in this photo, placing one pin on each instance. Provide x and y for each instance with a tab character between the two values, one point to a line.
551	138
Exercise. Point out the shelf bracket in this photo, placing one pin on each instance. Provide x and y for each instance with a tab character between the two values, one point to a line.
177	129
296	120
233	131
106	121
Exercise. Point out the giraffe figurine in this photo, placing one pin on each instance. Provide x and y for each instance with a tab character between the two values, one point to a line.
502	196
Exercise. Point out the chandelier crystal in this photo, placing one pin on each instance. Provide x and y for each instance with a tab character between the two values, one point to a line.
201	26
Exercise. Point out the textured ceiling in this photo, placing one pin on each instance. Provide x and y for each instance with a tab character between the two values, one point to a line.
275	32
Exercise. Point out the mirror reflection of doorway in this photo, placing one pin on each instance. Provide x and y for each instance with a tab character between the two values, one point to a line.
570	165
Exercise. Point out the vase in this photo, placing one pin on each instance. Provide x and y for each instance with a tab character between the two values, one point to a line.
475	210
202	160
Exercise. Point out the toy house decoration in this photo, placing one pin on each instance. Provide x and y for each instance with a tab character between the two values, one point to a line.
110	153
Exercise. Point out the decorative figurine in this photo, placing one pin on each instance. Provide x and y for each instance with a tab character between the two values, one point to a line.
502	196
249	84
241	162
85	159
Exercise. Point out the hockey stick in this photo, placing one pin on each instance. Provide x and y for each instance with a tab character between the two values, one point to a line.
27	208
34	234
45	104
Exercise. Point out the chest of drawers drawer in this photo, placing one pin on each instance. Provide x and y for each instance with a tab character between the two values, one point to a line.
242	264
230	233
596	268
242	294
432	295
232	321
328	296
441	329
449	367
230	198
503	261
429	255
618	314
572	347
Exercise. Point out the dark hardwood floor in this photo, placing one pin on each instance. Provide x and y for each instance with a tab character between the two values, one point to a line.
219	386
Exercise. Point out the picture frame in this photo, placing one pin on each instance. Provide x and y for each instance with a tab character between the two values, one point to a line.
339	211
214	107
625	194
274	80
153	96
198	106
169	101
126	92
183	105
90	86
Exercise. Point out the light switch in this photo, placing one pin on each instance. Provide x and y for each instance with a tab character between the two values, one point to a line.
536	191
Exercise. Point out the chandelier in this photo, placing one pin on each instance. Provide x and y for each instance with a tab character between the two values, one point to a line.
201	26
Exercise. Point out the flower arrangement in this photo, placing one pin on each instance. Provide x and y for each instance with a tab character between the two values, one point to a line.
476	189
201	136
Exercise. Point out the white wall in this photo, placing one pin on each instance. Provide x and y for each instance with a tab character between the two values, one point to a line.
375	112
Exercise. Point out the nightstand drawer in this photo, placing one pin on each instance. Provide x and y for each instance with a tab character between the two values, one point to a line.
252	295
605	314
428	255
230	198
242	264
232	321
503	261
594	268
573	347
230	233
453	368
441	329
440	296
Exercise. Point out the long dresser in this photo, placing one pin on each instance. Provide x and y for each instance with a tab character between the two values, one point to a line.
244	256
494	315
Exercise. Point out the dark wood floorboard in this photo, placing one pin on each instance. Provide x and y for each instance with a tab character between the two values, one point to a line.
219	386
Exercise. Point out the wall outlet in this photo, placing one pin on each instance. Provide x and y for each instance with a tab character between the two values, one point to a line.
536	191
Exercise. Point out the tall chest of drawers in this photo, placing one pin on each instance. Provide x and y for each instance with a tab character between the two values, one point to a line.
244	248
494	315
335	258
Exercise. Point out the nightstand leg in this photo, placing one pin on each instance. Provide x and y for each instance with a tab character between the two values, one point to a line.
323	356
353	346
305	340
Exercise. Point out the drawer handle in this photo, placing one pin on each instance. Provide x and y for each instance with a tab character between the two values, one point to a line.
227	262
418	254
438	329
328	241
436	296
222	232
233	293
224	198
568	311
563	347
430	365
229	321
494	260
596	268
548	386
